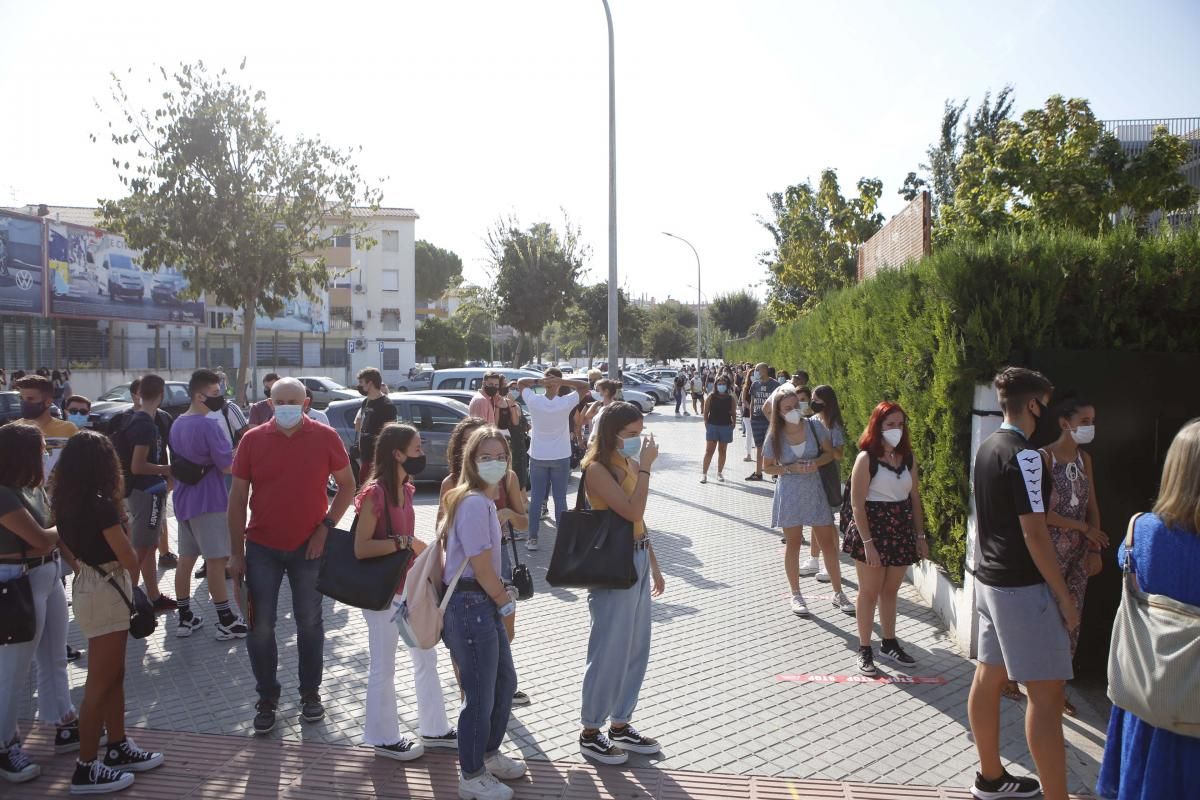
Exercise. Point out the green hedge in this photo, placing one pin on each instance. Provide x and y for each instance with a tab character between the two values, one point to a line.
924	336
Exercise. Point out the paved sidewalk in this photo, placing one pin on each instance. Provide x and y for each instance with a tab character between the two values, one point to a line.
721	691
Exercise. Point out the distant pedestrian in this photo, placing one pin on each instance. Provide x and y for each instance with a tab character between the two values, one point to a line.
696	388
885	534
518	435
720	415
262	411
377	410
490	405
824	406
680	382
761	389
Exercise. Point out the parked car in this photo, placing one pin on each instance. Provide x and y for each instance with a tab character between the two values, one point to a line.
533	366
10	406
118	399
166	286
566	366
120	275
471	378
325	390
422	379
463	396
659	391
435	417
662	374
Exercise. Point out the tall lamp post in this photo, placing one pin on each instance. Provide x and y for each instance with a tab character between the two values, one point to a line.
689	244
613	348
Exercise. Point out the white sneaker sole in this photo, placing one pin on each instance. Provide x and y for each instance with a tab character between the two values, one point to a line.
600	758
439	744
104	788
23	777
807	572
823	577
641	750
982	794
224	635
415	752
468	794
805	614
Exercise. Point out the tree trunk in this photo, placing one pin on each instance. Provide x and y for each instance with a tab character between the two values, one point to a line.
591	355
520	349
249	317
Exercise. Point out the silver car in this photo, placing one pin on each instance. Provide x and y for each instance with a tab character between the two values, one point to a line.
326	390
435	417
638	382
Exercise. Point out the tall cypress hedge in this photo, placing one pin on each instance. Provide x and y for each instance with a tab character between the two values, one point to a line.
926	335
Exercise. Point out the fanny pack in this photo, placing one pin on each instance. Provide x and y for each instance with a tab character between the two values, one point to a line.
186	471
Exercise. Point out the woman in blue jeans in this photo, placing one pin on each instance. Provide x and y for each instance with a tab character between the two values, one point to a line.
473	627
617	477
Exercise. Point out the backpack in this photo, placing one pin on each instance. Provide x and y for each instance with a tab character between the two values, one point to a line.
422	608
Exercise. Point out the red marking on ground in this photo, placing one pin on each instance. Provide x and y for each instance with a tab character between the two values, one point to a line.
936	680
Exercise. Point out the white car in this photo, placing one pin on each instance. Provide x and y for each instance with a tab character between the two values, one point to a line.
326	390
643	401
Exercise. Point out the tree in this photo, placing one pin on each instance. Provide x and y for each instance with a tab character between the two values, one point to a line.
631	328
1057	166
436	270
535	272
217	192
817	234
667	339
439	339
592	318
735	312
683	314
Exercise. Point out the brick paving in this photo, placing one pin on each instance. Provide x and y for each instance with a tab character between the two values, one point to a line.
723	636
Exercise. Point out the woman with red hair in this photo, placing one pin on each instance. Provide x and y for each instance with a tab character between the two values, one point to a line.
884	533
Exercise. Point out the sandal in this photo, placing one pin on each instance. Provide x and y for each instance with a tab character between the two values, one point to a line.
1069	709
1012	691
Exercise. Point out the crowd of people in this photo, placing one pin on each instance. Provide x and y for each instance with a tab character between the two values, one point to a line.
250	496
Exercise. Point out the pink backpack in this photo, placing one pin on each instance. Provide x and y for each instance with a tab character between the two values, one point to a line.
421	610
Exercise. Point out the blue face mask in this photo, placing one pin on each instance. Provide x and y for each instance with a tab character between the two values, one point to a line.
631	447
721	387
79	420
288	416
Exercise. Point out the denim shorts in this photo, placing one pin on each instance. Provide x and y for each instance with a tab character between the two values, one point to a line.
718	433
1021	628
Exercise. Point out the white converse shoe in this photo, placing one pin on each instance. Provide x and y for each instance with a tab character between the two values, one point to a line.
483	787
809	567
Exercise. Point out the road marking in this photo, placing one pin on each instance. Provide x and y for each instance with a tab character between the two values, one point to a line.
935	680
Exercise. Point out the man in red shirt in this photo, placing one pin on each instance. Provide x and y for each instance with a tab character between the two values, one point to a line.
287	462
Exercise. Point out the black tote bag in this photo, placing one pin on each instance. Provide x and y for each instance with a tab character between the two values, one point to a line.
368	583
593	549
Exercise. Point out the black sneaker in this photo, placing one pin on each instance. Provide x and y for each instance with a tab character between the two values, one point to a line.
403	750
202	572
311	709
629	739
125	756
893	652
94	778
264	720
447	741
1004	786
66	737
866	662
188	624
73	655
520	698
15	766
234	630
168	560
598	748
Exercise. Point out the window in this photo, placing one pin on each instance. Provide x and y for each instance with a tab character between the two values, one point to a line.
220	319
437	419
391	280
391	358
450	383
391	241
177	396
390	319
335	356
341	241
340	317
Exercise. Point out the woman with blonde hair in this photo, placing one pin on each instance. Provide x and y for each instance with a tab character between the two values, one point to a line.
473	628
1142	762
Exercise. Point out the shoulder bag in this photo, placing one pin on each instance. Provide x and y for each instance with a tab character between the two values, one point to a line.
1154	660
368	583
142	619
593	549
18	616
831	474
521	576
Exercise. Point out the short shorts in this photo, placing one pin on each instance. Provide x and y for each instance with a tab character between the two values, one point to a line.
758	427
205	535
718	433
1021	628
98	608
145	517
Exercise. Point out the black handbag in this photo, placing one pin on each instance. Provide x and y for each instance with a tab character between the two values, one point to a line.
142	619
18	617
187	471
522	578
831	474
368	583
593	549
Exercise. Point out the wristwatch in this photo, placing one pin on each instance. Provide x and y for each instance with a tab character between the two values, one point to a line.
329	523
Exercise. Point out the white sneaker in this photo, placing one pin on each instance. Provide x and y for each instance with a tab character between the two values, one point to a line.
799	607
809	567
704	479
721	477
484	787
842	603
822	575
503	767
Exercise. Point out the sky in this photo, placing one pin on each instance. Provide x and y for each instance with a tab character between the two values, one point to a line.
470	110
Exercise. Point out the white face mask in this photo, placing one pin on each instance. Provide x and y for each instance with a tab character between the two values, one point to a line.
1084	434
793	417
492	472
804	406
893	436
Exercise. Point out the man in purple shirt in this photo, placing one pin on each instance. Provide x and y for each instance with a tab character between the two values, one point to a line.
202	453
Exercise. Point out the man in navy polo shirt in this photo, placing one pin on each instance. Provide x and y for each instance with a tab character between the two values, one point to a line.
288	462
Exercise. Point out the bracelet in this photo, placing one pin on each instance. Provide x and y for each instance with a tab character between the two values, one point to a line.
641	471
867	541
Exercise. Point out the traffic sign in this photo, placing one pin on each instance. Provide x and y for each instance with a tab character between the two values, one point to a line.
381	347
350	346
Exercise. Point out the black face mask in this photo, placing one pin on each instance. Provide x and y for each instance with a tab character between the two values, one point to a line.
215	403
414	465
817	406
267	389
1045	430
491	391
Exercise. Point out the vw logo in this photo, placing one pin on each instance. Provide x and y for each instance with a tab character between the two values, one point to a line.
24	279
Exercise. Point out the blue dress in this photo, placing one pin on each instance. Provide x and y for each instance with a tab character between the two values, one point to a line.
1142	762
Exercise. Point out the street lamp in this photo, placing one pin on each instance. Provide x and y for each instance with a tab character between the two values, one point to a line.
689	244
613	348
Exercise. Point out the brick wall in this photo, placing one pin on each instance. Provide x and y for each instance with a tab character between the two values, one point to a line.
904	238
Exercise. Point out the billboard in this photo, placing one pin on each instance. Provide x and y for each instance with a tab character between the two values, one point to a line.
22	256
300	315
94	275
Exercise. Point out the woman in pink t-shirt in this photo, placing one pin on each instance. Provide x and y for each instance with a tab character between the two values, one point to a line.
398	457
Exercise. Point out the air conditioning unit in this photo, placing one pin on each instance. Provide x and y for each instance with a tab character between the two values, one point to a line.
359	324
187	344
361	344
360	289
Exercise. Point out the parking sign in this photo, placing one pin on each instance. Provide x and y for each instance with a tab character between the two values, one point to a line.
350	346
381	347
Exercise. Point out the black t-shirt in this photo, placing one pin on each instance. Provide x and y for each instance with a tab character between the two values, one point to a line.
376	413
32	500
1008	484
82	529
153	433
720	409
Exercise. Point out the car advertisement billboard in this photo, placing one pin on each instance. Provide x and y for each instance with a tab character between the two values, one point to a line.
94	275
22	256
300	315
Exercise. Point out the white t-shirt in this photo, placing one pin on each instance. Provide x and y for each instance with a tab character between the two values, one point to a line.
550	419
317	415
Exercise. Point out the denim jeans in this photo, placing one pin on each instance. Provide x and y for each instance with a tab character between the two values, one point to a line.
618	649
678	399
50	608
265	568
479	646
545	477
